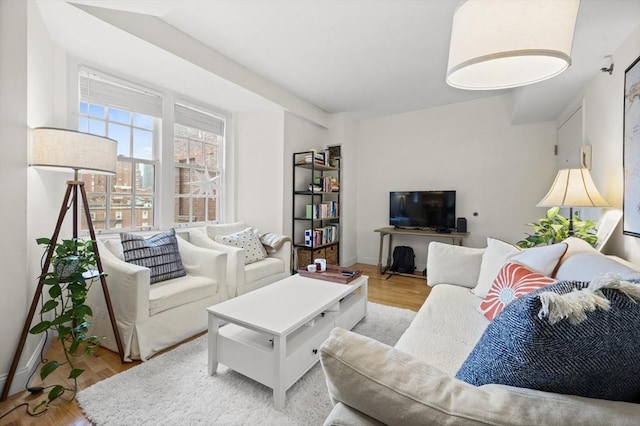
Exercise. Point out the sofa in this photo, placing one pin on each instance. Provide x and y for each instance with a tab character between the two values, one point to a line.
253	259
417	382
154	316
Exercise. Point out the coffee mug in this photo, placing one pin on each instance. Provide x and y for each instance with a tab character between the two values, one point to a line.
321	265
311	268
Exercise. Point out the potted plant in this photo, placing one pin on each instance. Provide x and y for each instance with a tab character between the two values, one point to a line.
65	313
554	228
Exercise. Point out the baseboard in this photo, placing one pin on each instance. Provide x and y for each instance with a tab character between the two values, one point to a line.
23	374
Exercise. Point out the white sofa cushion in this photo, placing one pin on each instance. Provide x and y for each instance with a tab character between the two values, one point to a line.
262	269
584	266
168	294
397	389
443	336
449	264
543	260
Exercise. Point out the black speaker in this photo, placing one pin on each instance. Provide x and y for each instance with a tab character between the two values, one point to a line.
461	224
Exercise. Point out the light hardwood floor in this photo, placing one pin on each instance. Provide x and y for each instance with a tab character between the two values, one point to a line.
400	291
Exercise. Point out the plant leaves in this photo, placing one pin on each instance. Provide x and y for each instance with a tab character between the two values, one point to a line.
55	393
75	373
40	327
48	368
49	306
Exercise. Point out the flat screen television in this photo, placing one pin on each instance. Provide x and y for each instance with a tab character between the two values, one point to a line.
423	209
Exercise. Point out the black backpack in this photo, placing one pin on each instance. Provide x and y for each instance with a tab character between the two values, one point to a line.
403	260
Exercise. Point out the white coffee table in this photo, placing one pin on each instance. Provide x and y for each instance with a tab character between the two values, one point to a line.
274	332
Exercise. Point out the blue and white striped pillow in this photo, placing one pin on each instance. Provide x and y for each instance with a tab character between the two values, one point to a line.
159	253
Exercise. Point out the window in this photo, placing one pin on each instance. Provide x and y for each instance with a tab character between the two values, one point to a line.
120	201
161	143
197	147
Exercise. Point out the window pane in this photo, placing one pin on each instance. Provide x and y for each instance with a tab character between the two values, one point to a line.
143	121
119	116
120	212
180	147
211	209
123	135
84	108
83	124
97	209
181	210
194	134
121	182
198	214
94	183
142	144
179	131
97	127
211	156
96	111
145	179
182	181
195	153
143	211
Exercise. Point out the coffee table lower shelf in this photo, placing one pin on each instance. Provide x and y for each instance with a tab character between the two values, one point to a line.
280	361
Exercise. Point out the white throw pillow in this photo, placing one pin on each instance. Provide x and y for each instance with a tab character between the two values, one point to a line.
115	247
494	257
247	239
449	264
543	260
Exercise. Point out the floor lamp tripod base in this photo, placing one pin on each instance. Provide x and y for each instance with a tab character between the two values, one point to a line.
73	187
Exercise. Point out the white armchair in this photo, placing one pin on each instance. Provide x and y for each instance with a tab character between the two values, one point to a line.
154	317
245	277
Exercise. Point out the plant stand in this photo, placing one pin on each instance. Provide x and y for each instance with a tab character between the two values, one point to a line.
72	188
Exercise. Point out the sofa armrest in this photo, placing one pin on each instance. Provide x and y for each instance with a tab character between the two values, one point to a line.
204	262
451	264
128	285
394	388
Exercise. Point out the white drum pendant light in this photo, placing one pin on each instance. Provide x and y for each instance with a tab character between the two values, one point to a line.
498	44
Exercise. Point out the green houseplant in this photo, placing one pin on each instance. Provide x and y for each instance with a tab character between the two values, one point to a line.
65	313
553	228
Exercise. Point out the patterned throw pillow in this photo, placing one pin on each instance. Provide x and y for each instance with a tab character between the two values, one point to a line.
247	239
159	253
546	341
512	282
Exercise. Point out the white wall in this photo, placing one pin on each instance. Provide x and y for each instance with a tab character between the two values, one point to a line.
259	170
604	131
343	131
499	170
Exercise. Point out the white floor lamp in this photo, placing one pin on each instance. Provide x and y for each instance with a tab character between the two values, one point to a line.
68	149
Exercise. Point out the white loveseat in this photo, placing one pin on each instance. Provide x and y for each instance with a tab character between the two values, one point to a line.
414	382
241	277
154	317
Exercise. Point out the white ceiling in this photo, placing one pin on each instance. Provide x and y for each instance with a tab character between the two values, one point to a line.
367	57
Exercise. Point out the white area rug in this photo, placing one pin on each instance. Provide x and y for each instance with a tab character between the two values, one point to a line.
175	389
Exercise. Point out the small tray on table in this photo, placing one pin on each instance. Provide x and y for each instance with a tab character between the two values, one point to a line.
333	273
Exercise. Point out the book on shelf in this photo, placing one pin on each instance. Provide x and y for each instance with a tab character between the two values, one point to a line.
324	210
326	183
321	236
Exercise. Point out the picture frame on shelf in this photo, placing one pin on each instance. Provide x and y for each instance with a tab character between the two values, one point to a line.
631	150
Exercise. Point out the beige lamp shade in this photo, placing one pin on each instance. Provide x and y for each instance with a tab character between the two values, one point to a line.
69	149
573	188
498	44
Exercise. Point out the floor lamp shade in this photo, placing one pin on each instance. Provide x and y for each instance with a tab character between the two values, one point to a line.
61	148
573	188
500	44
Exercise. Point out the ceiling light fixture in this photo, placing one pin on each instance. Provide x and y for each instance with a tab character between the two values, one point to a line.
500	44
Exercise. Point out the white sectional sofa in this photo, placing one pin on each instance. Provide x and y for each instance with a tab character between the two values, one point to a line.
414	382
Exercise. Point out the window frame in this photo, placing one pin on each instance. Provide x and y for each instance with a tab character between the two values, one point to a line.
163	215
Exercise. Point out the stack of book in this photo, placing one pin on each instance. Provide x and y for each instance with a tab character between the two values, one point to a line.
318	157
321	236
324	210
326	183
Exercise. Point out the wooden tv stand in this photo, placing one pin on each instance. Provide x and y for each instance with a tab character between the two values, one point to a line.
456	238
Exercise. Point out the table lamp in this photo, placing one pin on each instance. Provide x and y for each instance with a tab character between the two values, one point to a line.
573	188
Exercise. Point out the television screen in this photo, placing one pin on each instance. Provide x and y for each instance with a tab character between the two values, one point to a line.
423	209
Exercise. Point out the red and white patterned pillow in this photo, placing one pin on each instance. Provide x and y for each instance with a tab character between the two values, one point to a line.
513	281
